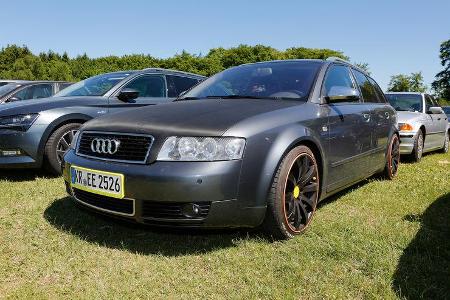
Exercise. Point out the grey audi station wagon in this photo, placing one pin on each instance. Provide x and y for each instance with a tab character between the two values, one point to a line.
36	133
255	145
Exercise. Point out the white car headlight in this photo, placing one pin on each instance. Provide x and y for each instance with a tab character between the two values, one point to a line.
201	149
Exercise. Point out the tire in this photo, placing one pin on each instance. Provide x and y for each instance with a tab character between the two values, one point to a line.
297	181
417	153
56	146
446	143
392	158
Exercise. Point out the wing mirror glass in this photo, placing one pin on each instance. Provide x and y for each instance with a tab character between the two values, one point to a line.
435	110
342	94
127	95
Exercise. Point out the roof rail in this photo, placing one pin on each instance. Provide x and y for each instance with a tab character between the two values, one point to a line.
334	58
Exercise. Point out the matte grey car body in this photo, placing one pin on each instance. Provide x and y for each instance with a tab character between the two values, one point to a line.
425	121
27	146
25	90
350	135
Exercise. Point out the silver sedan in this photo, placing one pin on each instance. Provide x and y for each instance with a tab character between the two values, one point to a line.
422	122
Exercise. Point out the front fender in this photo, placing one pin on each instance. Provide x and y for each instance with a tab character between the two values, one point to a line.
263	156
56	123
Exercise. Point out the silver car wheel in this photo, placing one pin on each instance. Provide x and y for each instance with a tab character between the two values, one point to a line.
419	146
64	144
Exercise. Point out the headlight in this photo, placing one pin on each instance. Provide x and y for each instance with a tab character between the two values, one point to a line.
201	149
18	122
74	142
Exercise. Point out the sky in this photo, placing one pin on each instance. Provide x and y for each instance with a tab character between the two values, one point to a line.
393	37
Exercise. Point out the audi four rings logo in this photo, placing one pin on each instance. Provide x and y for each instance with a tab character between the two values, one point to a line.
105	146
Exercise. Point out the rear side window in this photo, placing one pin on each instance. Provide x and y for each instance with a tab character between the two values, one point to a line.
34	92
337	76
367	90
378	91
179	84
152	86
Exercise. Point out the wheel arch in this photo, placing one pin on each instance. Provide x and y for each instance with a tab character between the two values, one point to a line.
57	123
278	151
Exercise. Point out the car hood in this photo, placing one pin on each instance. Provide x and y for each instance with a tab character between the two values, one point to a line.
38	105
210	117
408	116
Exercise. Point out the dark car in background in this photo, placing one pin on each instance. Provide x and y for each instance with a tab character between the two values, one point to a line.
447	112
26	90
37	133
258	144
7	81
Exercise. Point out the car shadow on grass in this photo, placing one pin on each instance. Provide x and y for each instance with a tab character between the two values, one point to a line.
423	270
23	175
70	217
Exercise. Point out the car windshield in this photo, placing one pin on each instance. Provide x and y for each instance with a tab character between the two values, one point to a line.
5	89
271	80
93	86
405	102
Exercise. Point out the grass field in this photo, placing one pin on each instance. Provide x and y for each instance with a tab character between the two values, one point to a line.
379	239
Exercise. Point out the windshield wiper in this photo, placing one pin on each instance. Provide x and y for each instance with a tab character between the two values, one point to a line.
187	98
238	97
235	97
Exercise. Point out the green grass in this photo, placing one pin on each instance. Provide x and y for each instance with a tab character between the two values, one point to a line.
379	239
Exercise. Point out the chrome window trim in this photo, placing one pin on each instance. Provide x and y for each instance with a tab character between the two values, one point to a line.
141	162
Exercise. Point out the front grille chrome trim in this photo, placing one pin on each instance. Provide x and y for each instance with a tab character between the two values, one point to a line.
107	210
106	133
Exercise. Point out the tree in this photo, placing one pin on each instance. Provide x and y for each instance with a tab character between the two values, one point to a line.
407	83
363	66
442	83
19	63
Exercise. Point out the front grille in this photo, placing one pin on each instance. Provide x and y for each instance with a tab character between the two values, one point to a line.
120	206
133	148
172	211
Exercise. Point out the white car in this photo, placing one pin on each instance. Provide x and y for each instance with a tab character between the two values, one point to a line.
423	124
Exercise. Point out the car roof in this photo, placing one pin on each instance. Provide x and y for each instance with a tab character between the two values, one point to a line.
156	70
328	60
409	93
33	81
14	81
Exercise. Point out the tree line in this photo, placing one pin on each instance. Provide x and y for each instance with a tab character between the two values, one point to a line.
18	62
414	81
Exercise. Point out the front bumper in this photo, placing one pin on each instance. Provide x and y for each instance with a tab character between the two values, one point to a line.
159	192
407	140
26	142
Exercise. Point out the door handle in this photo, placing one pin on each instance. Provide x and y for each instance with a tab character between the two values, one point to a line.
366	117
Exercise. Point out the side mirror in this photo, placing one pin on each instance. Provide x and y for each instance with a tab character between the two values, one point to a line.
435	110
342	94
127	95
13	99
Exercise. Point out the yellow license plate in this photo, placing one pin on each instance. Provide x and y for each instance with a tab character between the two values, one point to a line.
97	182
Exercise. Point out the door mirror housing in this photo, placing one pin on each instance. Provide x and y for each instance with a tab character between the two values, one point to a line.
127	95
342	94
13	99
435	110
